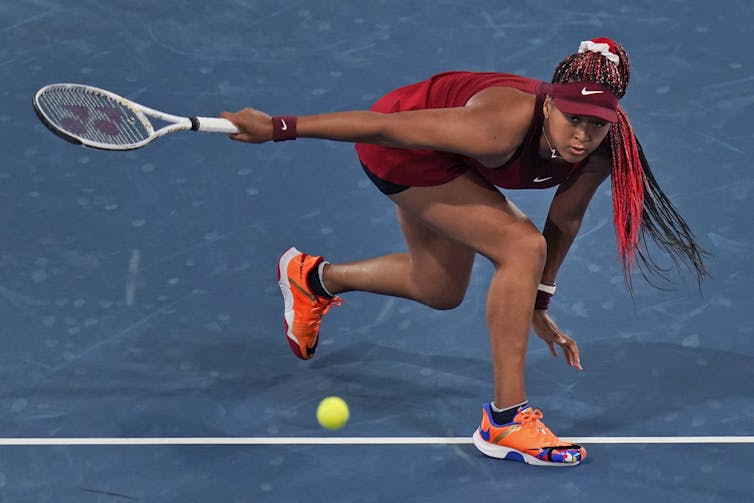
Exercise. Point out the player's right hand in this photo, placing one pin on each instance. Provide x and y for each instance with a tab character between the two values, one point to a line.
254	126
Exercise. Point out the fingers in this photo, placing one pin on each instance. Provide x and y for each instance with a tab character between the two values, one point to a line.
232	118
254	126
552	349
546	330
238	136
570	351
567	345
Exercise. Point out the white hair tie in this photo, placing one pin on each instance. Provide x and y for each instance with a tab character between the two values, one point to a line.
601	48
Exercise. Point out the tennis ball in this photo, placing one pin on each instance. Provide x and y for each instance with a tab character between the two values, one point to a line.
332	412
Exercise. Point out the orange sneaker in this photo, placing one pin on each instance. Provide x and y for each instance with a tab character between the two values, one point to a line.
526	439
303	308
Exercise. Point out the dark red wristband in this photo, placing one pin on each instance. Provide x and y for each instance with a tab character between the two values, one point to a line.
283	127
543	300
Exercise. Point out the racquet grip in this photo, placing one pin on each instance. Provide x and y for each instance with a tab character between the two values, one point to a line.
213	125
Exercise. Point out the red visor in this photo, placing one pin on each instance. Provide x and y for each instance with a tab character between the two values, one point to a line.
585	98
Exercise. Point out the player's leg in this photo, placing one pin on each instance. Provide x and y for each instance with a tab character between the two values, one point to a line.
470	212
435	271
444	226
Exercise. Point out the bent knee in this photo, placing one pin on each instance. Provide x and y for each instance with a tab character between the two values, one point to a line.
442	299
444	302
529	250
536	246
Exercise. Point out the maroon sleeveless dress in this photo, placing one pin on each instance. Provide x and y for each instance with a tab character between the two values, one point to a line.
421	168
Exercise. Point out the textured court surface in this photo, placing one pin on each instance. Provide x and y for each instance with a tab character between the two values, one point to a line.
138	296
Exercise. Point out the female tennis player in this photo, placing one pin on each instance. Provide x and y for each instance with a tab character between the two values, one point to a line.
440	149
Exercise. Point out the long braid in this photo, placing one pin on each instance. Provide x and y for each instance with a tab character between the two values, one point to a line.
640	207
628	189
662	223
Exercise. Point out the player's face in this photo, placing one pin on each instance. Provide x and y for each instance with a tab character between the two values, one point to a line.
575	136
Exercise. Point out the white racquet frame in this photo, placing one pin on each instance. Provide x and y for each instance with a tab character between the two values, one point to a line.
140	113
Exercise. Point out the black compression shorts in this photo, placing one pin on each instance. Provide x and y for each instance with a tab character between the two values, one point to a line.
384	186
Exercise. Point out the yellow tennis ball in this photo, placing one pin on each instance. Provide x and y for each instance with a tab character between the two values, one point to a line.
332	412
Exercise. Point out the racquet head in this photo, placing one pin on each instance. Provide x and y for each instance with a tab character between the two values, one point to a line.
93	117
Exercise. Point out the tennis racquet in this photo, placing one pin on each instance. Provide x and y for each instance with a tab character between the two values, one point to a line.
93	117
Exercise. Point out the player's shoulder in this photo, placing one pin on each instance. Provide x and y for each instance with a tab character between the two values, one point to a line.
501	95
505	105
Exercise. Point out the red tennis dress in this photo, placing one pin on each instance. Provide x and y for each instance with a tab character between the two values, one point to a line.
421	168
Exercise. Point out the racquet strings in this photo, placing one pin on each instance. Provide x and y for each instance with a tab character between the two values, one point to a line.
89	115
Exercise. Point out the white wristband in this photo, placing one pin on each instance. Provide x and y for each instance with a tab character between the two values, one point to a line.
547	288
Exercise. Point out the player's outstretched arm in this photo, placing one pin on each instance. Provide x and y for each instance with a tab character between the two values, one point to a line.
478	131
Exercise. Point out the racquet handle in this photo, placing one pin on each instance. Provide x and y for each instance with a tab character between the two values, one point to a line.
212	125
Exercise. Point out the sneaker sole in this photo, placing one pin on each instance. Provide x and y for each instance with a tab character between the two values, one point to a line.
510	454
285	289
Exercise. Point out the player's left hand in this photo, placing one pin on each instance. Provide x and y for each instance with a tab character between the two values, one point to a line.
548	331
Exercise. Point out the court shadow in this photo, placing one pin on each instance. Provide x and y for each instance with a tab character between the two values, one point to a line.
652	388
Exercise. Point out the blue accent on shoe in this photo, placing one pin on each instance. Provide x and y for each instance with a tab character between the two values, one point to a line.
487	408
515	456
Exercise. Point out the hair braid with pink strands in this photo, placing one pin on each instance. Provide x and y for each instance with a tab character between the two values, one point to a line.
640	207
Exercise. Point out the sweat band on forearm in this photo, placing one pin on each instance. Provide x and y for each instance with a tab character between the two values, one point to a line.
544	294
283	127
543	300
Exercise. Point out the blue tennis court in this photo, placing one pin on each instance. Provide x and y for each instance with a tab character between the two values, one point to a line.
144	357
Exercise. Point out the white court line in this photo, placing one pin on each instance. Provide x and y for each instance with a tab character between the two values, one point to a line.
352	440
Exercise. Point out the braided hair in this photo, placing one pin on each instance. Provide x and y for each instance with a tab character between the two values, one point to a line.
640	207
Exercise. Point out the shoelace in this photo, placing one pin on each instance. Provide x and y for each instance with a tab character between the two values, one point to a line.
321	308
530	421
